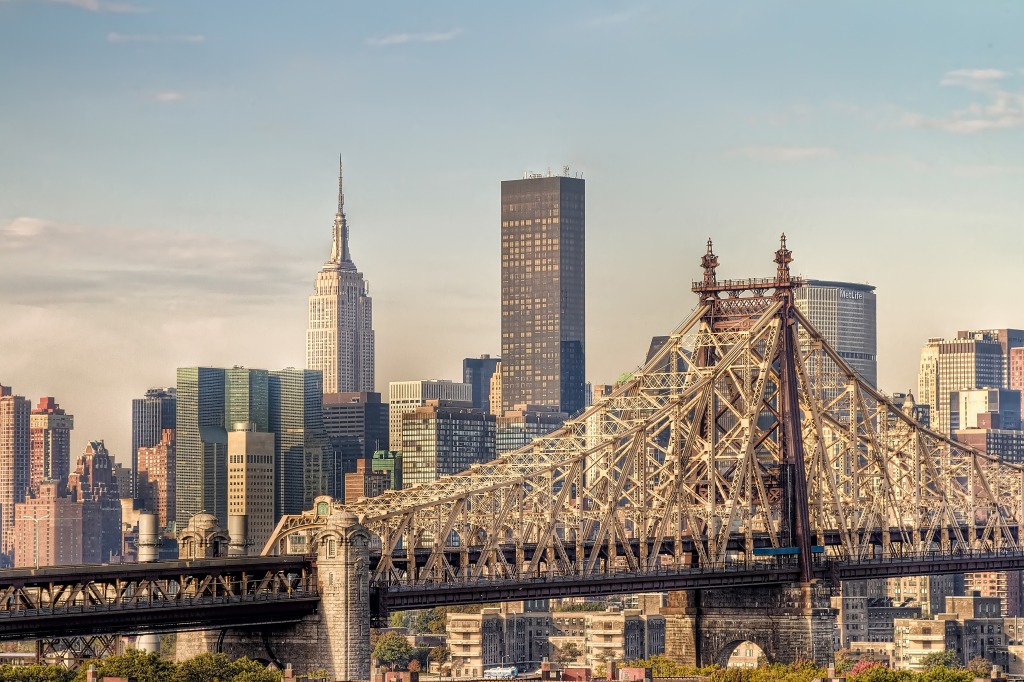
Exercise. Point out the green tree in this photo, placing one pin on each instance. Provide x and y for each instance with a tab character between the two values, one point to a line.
844	660
35	673
439	654
246	670
393	650
941	659
204	668
132	663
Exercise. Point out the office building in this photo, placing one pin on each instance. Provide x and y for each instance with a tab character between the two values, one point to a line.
49	530
151	416
389	462
1001	405
972	360
297	422
1016	369
477	372
201	444
543	294
50	444
443	438
1009	445
340	340
251	483
1008	339
406	396
14	461
155	481
519	426
494	391
356	425
93	484
844	313
364	482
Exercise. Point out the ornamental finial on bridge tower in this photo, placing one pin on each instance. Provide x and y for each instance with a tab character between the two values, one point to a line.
783	257
709	262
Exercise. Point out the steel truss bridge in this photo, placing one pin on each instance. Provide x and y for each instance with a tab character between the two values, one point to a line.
745	451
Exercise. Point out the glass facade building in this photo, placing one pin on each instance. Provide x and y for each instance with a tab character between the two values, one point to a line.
297	422
201	443
543	292
477	372
844	313
444	438
518	427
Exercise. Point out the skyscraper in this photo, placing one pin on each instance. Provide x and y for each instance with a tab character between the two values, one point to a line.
543	298
93	484
201	443
297	422
477	372
50	449
443	438
406	396
151	416
357	426
14	461
340	340
844	313
155	479
972	360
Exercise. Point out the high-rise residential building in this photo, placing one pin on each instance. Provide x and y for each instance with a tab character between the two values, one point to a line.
1008	339
201	444
50	444
844	313
519	426
972	360
1016	369
152	414
443	438
251	483
357	426
543	294
14	461
297	422
93	483
49	530
340	340
477	372
155	480
927	591
406	396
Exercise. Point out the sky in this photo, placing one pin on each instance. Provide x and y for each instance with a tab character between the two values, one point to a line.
168	173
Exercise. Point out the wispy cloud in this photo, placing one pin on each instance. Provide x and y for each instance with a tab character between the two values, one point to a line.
42	261
783	154
1001	109
403	38
610	19
153	38
169	96
99	6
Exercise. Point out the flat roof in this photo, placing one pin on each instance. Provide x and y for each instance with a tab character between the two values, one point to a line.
842	285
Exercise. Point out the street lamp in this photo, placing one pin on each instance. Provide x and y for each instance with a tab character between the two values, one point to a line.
35	521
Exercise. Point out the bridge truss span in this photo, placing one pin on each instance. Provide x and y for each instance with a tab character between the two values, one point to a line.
745	435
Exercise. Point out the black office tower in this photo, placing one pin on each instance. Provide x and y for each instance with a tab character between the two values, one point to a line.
543	292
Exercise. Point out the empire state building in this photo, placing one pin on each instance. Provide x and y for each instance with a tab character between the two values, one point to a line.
339	341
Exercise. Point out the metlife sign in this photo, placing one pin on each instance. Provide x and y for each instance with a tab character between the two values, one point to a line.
851	295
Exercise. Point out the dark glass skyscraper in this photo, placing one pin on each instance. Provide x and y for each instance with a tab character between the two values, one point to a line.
543	298
297	422
477	373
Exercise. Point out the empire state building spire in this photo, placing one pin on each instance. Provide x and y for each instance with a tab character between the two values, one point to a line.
339	246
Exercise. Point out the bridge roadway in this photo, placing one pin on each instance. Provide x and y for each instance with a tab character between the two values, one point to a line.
155	597
257	591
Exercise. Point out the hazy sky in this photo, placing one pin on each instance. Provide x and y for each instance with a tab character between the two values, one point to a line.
167	172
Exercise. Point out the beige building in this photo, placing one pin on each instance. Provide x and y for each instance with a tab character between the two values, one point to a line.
405	396
48	529
340	340
495	393
251	483
522	634
970	626
14	461
927	591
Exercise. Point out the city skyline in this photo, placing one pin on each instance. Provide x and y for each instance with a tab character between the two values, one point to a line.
220	276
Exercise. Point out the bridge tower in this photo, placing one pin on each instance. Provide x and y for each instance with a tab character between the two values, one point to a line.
789	622
337	637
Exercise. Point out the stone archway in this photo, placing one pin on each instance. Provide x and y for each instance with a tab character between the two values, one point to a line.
745	654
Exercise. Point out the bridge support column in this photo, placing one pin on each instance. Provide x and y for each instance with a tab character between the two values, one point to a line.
336	638
789	623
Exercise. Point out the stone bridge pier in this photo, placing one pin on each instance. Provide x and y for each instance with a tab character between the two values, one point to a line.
789	622
336	638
